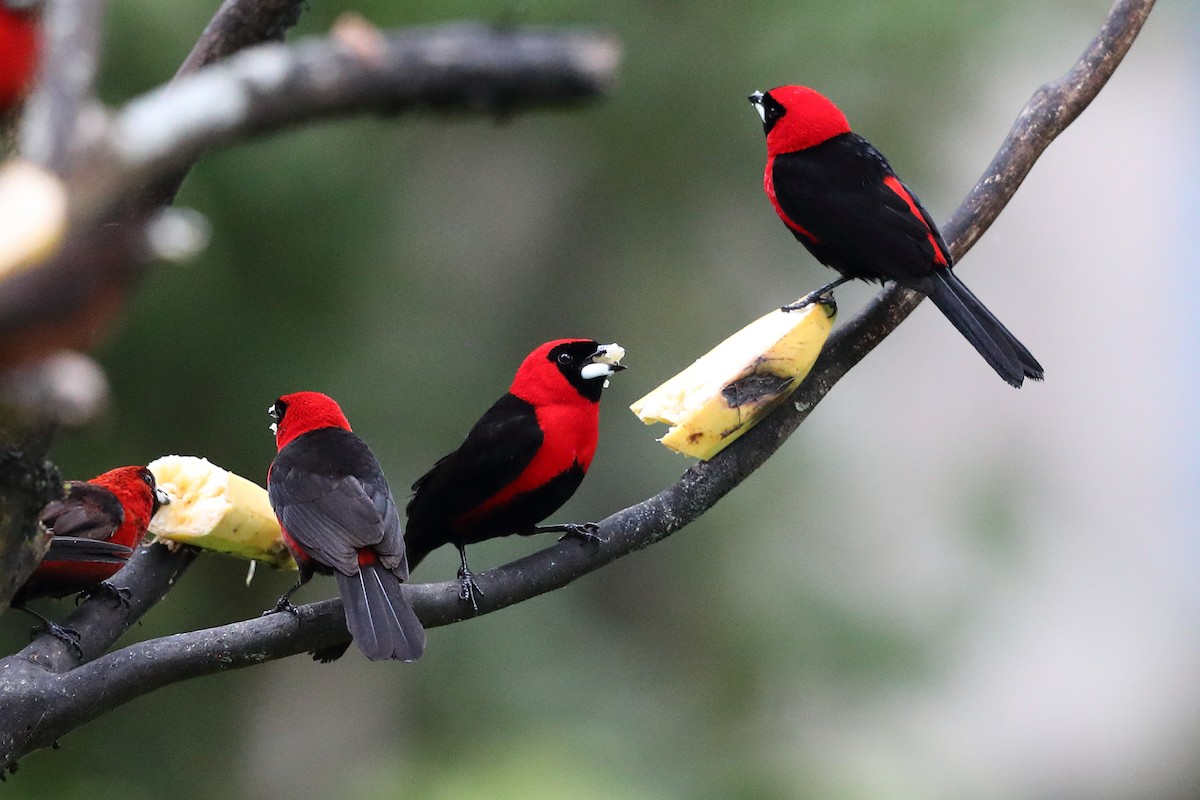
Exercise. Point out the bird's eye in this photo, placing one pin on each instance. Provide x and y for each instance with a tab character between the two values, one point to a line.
148	478
565	358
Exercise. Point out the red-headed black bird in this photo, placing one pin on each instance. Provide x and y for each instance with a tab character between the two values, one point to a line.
523	459
95	528
839	196
338	516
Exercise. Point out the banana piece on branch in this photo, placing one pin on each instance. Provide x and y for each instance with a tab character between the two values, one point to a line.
213	508
729	389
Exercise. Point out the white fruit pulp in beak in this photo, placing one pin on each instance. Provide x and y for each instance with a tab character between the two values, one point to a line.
610	353
607	356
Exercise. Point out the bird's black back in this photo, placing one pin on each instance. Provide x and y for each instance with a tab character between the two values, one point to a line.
331	496
836	191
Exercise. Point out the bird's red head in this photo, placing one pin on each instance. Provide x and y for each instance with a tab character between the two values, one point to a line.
797	117
566	370
300	412
134	487
18	53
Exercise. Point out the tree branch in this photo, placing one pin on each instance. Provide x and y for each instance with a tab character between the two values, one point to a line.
142	667
453	67
71	31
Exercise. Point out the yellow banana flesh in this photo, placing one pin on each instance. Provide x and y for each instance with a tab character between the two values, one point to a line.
215	509
729	389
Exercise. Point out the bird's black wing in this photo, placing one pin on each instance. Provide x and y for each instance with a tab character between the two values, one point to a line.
844	193
88	512
332	498
496	451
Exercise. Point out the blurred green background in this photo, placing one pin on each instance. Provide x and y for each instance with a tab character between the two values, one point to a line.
940	588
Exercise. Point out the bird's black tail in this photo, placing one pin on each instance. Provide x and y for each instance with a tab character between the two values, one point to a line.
998	347
379	618
79	548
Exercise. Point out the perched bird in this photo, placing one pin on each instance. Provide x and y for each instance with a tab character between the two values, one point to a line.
521	461
95	529
18	54
338	516
839	196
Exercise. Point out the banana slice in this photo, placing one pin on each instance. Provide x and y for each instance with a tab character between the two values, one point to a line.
726	391
217	510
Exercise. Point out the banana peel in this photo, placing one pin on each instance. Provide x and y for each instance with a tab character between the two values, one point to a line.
217	510
728	390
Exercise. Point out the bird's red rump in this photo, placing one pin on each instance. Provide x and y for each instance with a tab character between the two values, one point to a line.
367	557
893	183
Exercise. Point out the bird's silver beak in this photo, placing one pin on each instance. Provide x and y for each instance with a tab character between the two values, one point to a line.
604	362
273	428
756	99
161	497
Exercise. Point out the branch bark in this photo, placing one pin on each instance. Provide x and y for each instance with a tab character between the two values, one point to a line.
145	666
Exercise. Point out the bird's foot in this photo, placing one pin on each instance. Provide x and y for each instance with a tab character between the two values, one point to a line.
68	636
119	595
824	296
468	588
284	604
589	532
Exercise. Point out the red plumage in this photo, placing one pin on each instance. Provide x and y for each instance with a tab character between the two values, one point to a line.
841	199
521	461
18	55
338	517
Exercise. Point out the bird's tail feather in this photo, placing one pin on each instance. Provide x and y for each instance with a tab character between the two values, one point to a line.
378	616
1011	360
78	548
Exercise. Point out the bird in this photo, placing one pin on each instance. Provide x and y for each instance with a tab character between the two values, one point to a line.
339	517
94	528
521	461
842	200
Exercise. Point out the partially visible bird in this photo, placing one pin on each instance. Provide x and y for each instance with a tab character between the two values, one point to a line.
95	529
521	461
18	54
841	199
